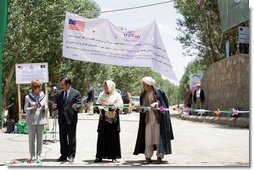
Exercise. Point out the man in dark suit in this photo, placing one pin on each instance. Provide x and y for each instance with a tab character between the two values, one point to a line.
68	103
90	98
188	97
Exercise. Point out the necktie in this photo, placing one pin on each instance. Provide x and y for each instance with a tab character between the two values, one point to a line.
65	96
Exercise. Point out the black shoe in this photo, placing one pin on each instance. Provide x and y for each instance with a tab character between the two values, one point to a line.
97	160
62	158
71	159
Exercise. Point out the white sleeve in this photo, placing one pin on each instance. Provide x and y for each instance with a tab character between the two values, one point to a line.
119	100
27	107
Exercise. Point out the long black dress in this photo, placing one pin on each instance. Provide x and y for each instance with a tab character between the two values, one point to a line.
108	142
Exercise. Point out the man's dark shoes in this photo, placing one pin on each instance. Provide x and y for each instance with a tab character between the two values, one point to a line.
98	160
62	158
71	159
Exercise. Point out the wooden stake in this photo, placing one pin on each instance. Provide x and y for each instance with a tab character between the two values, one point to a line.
47	111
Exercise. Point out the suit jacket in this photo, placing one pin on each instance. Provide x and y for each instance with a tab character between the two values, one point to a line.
90	95
66	109
188	98
37	116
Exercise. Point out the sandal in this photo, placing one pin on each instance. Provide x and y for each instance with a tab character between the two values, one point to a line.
147	161
97	160
159	160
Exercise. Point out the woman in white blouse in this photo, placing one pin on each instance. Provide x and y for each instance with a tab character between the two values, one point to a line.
35	106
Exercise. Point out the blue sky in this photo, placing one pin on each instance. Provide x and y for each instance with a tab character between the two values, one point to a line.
165	15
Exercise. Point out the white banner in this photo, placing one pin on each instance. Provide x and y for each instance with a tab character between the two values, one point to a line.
25	73
99	41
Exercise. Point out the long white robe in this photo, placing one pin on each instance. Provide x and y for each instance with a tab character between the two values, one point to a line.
152	127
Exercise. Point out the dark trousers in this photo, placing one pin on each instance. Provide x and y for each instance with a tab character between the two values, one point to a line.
67	139
189	106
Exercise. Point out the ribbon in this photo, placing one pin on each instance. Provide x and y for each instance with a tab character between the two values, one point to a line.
187	109
201	112
14	162
235	112
29	161
162	109
217	112
146	109
86	106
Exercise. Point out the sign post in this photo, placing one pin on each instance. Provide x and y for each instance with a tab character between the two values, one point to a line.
19	102
25	73
195	79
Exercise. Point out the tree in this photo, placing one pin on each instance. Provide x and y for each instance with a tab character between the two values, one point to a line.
201	30
34	34
202	36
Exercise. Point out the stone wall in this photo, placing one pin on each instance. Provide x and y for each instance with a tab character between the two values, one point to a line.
226	84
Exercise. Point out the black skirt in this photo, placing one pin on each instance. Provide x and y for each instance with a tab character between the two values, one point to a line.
108	141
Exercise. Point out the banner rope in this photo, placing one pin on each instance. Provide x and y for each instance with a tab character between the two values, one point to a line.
232	111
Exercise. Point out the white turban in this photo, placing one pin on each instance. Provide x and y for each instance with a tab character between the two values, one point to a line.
149	81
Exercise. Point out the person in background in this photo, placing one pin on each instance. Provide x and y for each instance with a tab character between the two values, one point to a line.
126	96
188	97
108	141
199	97
155	130
90	98
52	98
35	107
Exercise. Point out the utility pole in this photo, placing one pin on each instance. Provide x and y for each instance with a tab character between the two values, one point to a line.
3	24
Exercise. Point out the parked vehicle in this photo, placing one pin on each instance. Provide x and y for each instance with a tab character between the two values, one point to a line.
126	97
97	92
135	101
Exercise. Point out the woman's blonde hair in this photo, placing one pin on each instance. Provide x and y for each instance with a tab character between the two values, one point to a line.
35	84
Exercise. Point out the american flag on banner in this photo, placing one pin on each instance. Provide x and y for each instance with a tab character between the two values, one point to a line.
76	25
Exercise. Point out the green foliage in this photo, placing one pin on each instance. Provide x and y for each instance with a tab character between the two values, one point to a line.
202	36
201	30
34	34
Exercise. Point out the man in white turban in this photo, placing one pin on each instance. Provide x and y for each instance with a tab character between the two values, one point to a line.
155	128
149	81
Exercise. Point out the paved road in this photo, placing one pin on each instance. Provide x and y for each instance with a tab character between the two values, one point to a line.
195	144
